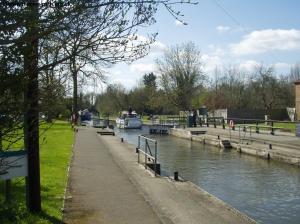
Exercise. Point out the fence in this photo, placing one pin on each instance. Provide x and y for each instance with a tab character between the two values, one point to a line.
148	154
256	123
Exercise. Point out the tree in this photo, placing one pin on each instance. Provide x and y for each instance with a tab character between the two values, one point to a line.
114	100
181	74
266	87
52	94
26	26
294	73
149	80
104	33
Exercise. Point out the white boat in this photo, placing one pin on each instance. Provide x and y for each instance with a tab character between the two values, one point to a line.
128	121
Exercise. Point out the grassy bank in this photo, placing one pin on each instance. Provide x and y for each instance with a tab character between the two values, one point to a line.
287	126
55	153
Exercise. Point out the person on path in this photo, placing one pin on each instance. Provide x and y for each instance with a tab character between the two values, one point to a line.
194	118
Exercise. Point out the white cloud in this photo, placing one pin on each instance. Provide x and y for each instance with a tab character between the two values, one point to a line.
211	62
223	29
262	41
127	83
142	68
178	23
249	65
282	65
157	47
219	51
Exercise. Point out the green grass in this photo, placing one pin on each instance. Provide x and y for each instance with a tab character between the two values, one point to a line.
287	126
55	153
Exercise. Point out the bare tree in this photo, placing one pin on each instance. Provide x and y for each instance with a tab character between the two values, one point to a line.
181	74
266	87
25	26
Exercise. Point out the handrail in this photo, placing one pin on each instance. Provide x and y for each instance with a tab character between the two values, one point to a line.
149	139
148	154
151	157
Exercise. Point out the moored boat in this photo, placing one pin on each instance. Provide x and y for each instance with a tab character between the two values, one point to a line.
129	120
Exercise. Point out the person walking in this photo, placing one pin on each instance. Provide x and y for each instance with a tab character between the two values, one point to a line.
194	118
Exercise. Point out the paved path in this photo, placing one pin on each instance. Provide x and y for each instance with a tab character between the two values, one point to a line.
98	190
106	185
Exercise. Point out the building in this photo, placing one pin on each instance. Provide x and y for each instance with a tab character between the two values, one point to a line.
297	96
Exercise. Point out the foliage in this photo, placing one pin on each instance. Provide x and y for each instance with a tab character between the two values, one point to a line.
149	80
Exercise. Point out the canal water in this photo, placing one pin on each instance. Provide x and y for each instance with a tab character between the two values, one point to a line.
268	192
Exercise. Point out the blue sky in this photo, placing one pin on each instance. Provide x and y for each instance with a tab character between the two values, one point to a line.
228	33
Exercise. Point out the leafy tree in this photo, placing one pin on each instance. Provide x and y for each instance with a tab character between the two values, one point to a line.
149	80
113	101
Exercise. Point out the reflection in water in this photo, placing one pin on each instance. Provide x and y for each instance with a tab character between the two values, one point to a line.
269	192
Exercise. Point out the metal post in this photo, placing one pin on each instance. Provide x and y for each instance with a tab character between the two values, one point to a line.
257	129
155	158
108	120
272	129
240	134
223	123
176	176
145	153
215	125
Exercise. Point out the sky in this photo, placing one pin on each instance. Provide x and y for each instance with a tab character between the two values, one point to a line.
228	33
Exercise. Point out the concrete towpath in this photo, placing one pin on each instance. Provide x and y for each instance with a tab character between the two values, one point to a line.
107	185
98	190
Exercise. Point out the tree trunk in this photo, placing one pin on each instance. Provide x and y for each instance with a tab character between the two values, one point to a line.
31	113
75	96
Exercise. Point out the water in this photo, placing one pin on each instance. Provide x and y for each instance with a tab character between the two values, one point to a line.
268	192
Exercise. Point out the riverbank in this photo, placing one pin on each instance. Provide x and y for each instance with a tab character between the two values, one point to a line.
283	147
96	195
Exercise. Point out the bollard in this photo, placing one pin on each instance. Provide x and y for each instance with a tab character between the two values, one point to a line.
122	140
176	176
218	136
270	146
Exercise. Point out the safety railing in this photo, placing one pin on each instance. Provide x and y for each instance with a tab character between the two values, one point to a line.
256	124
147	152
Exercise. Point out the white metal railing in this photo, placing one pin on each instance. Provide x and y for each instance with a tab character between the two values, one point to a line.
147	152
